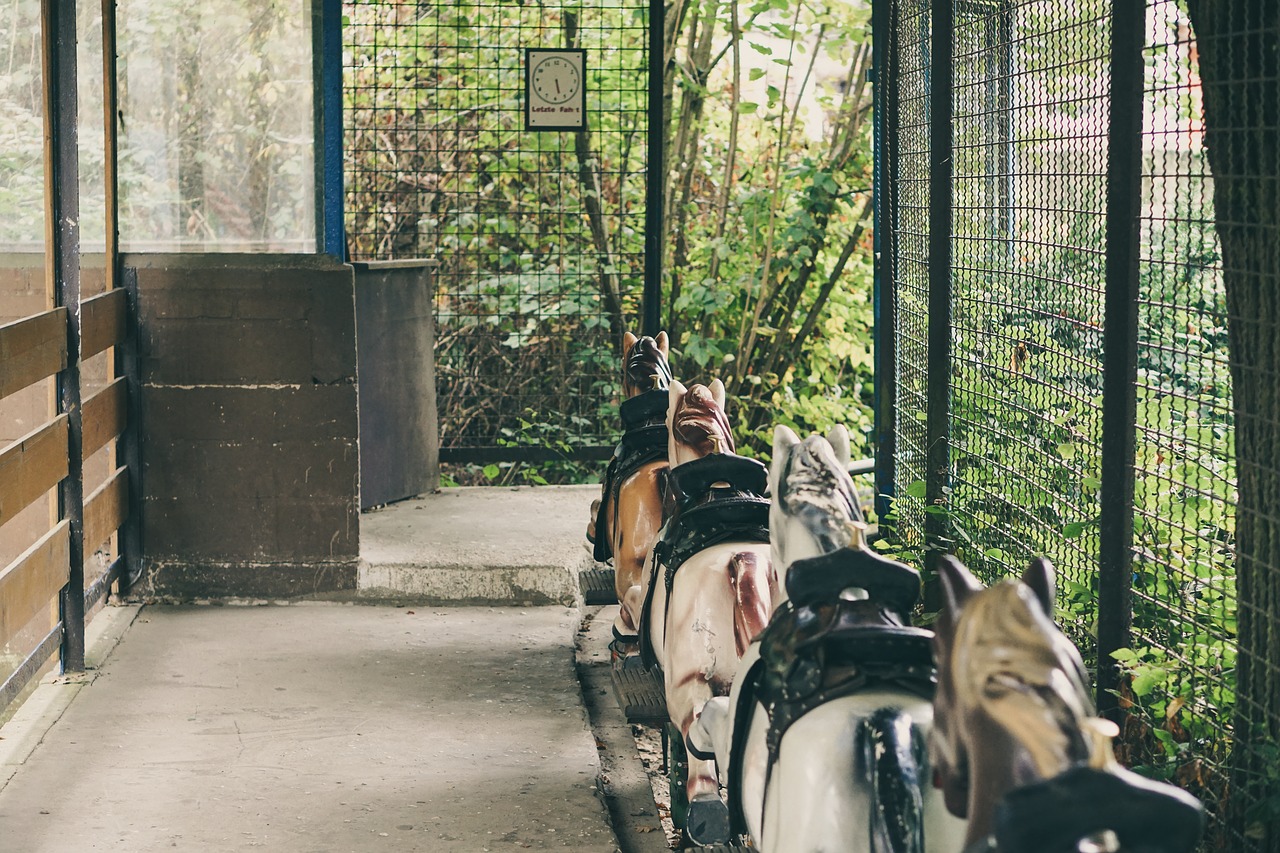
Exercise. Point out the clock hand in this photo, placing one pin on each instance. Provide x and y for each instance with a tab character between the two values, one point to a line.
557	85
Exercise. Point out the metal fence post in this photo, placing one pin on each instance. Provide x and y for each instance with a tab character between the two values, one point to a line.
655	172
1119	412
938	414
326	24
884	17
62	255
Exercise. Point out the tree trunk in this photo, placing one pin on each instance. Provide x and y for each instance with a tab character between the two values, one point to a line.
1237	41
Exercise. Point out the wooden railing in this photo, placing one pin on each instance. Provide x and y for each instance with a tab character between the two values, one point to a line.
32	350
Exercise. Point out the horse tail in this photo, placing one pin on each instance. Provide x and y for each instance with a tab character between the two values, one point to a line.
892	758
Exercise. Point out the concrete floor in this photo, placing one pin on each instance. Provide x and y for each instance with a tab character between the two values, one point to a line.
344	726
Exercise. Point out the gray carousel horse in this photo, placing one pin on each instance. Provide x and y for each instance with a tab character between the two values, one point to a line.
821	744
1015	742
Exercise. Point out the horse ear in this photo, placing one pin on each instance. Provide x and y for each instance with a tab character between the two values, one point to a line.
664	345
958	584
717	392
628	341
1039	576
838	438
784	438
675	395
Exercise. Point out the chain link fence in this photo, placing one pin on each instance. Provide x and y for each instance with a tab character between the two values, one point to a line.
538	235
1073	382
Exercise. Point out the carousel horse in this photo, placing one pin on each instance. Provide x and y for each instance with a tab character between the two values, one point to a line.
710	583
822	743
1016	746
627	516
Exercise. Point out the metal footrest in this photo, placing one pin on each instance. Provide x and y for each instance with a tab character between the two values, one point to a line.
641	695
597	586
726	848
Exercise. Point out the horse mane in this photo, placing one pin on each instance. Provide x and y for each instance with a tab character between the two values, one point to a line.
1009	659
814	478
699	422
644	368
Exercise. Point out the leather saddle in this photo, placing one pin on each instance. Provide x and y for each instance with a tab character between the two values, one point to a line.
822	579
1055	815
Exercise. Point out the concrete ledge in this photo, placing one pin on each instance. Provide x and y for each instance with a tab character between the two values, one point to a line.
522	545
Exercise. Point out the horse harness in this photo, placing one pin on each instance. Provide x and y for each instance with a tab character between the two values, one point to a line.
644	440
719	498
812	653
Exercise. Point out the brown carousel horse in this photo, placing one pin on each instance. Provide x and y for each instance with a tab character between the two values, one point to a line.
1015	744
710	583
627	516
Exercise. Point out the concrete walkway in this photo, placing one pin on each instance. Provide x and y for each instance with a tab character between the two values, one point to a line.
333	727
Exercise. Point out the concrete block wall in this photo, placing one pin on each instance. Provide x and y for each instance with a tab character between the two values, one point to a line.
250	463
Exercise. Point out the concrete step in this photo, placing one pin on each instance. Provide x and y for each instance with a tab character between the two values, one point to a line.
521	545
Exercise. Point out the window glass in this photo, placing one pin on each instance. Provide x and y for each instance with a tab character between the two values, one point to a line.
216	149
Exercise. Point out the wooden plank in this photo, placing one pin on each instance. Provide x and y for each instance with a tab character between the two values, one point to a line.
102	322
31	466
641	696
31	349
106	509
105	416
29	583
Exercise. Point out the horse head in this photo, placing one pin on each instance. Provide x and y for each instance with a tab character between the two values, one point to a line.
813	496
644	364
1012	705
696	422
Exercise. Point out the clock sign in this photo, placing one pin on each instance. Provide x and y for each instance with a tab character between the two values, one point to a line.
555	89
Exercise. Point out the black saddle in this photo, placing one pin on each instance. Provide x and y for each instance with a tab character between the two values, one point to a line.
812	654
1053	816
821	579
693	480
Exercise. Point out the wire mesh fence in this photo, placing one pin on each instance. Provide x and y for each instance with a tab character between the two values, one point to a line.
1028	416
538	235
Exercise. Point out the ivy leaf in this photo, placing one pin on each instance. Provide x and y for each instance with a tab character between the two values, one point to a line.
756	74
916	489
491	471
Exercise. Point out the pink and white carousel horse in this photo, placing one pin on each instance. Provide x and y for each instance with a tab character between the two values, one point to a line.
1016	745
710	583
627	517
821	744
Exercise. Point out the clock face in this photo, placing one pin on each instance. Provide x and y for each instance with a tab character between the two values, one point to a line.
555	80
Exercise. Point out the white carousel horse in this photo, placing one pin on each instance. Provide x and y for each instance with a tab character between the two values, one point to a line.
625	520
1015	742
711	585
821	744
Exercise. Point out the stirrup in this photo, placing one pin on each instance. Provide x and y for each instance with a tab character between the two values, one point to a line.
624	652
